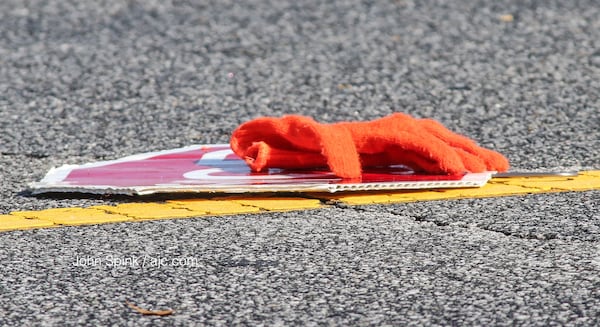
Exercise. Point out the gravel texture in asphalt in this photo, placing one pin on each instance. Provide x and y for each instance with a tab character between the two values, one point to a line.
90	80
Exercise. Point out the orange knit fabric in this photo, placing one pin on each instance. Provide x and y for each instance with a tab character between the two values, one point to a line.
298	142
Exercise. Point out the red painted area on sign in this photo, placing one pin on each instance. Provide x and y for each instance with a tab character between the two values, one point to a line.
159	169
215	165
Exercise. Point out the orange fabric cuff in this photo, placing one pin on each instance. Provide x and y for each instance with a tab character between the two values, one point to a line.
299	142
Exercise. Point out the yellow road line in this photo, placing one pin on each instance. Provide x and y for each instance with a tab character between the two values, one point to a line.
72	216
229	205
12	222
277	204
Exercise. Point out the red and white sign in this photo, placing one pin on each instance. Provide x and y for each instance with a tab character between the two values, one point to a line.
215	168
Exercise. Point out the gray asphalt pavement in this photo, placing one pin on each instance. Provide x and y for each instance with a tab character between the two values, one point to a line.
91	80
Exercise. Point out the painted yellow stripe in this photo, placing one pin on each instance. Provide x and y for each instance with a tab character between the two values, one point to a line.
72	216
584	182
149	211
588	180
12	222
277	204
489	190
214	207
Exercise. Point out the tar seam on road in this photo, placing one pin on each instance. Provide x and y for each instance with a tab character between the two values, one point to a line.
230	205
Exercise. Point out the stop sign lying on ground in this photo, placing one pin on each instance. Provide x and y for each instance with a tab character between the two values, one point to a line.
214	168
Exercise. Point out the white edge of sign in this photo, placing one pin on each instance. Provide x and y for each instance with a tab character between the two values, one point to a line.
470	180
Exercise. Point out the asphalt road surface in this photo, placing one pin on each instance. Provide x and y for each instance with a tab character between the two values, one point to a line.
91	80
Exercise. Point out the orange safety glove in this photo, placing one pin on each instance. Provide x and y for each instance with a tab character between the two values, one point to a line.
298	142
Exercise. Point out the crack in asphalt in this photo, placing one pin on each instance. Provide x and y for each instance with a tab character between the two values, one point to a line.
524	235
33	155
